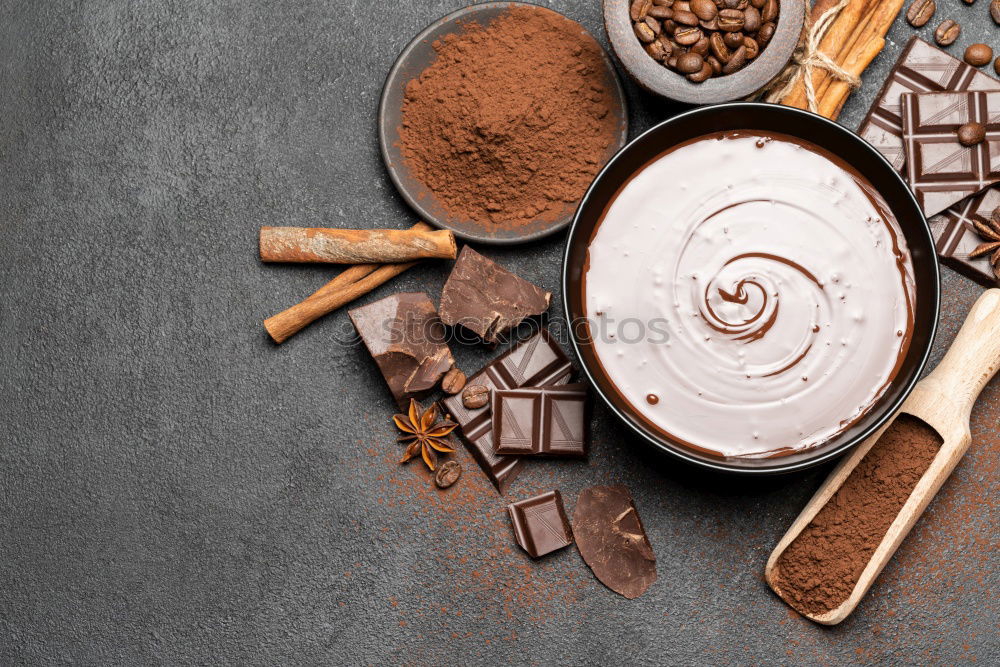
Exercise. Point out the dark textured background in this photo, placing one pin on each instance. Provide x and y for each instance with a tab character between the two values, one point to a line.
175	488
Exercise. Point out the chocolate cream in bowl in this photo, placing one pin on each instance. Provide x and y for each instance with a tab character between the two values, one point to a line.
749	295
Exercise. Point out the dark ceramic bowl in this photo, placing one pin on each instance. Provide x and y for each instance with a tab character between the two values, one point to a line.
413	60
657	79
802	124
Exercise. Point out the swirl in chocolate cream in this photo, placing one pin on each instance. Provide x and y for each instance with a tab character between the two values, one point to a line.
783	284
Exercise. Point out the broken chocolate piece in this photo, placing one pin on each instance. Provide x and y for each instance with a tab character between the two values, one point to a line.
612	541
541	421
955	235
486	298
940	170
537	361
407	340
540	524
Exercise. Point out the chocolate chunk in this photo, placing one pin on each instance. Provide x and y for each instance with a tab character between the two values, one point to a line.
955	235
540	524
537	361
541	421
488	299
612	541
407	339
922	67
940	170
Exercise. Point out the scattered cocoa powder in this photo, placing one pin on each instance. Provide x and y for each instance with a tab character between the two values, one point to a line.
818	571
513	119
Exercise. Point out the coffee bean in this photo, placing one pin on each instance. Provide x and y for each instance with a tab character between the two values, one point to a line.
751	20
731	20
736	61
453	381
996	215
711	26
766	33
996	66
719	48
644	33
639	9
701	75
447	474
685	18
701	46
661	13
969	2
705	9
668	47
669	26
715	64
686	36
753	50
769	11
475	396
690	63
733	39
978	55
947	33
920	12
995	11
671	62
971	134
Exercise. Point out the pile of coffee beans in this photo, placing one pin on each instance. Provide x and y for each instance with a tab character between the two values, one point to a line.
704	38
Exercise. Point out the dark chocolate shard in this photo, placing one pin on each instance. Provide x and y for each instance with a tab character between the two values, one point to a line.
541	421
407	340
955	235
540	524
612	540
940	170
486	298
537	361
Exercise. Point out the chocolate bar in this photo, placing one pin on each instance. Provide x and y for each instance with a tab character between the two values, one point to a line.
406	338
612	540
955	235
940	170
541	421
921	68
537	361
486	298
540	524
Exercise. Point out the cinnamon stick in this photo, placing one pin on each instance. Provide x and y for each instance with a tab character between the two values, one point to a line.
353	246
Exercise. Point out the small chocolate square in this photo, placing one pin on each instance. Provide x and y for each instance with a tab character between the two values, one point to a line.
541	421
955	235
540	524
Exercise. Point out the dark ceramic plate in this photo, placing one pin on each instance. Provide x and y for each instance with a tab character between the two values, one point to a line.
657	79
797	123
417	55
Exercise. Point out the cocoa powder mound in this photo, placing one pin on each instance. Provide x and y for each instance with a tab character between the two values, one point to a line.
512	121
818	571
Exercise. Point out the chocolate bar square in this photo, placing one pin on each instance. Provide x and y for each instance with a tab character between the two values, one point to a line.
921	68
955	235
940	170
540	524
537	361
541	421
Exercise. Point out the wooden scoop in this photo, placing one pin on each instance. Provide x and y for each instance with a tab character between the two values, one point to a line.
944	401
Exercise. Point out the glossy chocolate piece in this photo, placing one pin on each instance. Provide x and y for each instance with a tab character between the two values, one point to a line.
486	298
541	421
540	524
537	361
955	235
405	336
612	540
940	170
921	68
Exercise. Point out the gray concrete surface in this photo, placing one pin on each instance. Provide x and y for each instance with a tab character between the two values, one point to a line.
175	489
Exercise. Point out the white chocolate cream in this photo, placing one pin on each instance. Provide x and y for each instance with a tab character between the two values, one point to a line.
749	295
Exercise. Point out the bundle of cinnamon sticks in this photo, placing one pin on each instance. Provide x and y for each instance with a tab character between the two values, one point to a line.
856	36
377	256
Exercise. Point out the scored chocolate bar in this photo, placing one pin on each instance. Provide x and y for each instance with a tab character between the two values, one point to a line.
940	170
541	421
537	361
540	524
921	68
955	235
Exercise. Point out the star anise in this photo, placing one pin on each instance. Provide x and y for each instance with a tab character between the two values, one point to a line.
991	232
424	433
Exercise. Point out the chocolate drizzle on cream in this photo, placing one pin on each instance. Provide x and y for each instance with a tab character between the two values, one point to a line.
783	284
